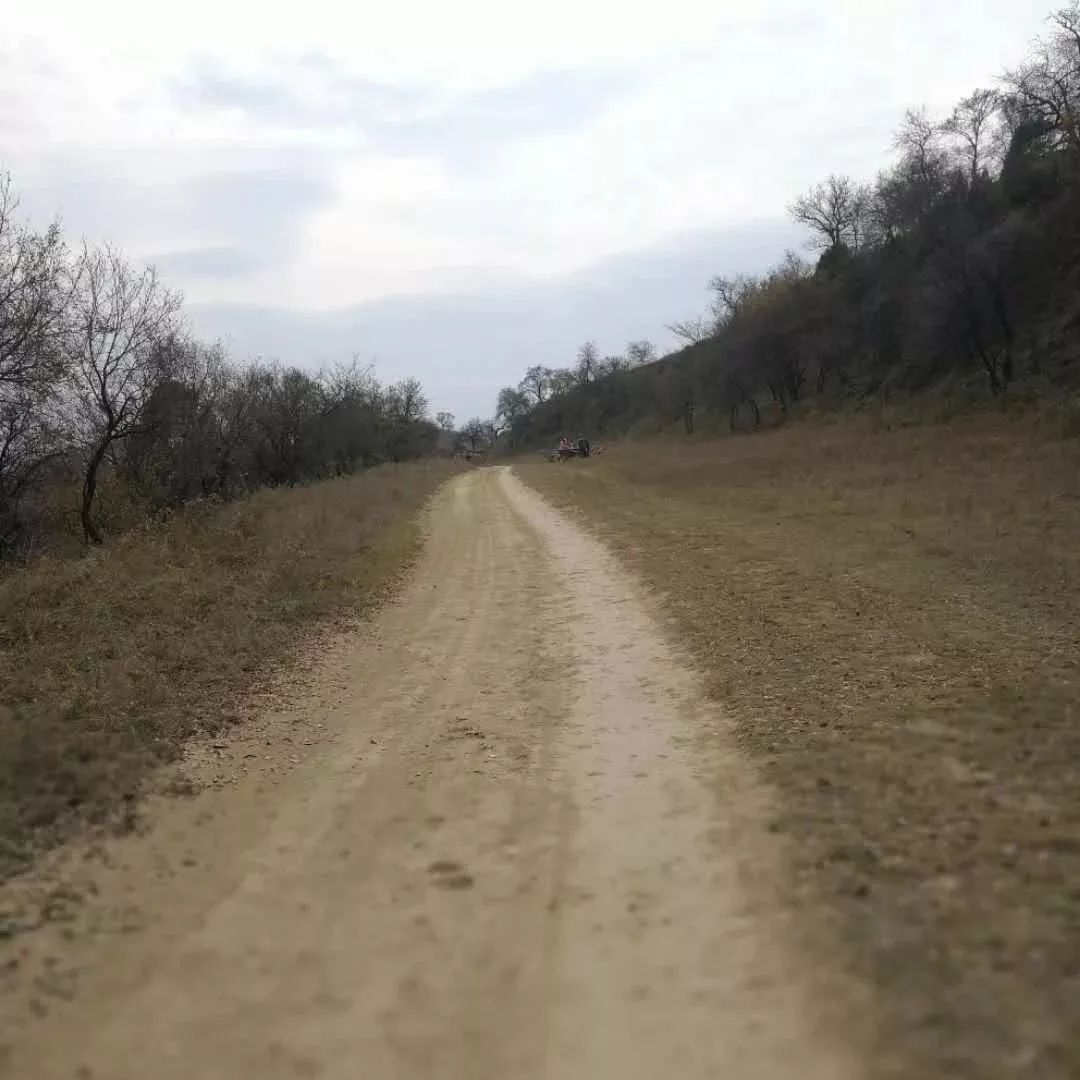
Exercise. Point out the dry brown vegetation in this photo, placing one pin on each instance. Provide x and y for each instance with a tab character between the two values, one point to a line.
109	661
891	618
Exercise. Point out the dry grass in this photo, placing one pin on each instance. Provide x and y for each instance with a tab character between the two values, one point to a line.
109	661
893	620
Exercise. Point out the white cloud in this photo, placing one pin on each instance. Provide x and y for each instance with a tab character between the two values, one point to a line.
321	154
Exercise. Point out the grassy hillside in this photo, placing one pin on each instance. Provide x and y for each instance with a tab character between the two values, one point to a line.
109	661
890	619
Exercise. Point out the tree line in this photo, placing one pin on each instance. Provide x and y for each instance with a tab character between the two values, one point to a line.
104	389
958	263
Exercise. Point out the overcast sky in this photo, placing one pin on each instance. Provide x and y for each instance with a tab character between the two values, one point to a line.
458	190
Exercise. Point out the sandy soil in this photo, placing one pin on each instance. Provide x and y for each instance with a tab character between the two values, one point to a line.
502	834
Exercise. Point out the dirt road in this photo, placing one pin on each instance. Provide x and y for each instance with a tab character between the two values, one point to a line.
519	845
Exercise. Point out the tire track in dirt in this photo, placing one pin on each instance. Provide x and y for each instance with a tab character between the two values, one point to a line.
515	855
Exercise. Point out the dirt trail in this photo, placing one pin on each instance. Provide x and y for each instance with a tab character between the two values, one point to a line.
519	850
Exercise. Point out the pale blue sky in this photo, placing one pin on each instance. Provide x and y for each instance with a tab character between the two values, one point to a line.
459	190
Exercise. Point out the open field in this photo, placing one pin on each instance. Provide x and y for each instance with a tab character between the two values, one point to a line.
892	620
109	661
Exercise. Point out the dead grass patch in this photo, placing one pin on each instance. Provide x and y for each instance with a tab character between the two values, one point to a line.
109	661
893	621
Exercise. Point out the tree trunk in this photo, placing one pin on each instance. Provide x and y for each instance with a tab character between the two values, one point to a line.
756	411
795	378
91	533
978	348
1002	310
989	362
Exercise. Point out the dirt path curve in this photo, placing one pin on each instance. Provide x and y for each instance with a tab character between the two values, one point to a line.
514	854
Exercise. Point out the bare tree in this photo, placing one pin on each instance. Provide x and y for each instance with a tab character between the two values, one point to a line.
511	405
693	330
1047	87
919	143
561	381
31	363
833	211
406	401
973	125
30	438
611	365
731	296
117	318
905	194
924	166
588	362
860	230
640	352
172	457
476	433
445	422
354	381
536	384
31	298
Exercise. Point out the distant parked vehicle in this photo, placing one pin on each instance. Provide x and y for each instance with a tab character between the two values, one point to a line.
567	449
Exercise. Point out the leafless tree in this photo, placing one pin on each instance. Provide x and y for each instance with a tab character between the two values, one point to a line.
588	361
731	296
834	211
476	432
406	401
512	404
918	141
117	318
640	352
536	384
973	126
31	298
171	458
905	194
31	364
923	170
561	381
612	365
30	438
693	330
1047	86
728	295
349	382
